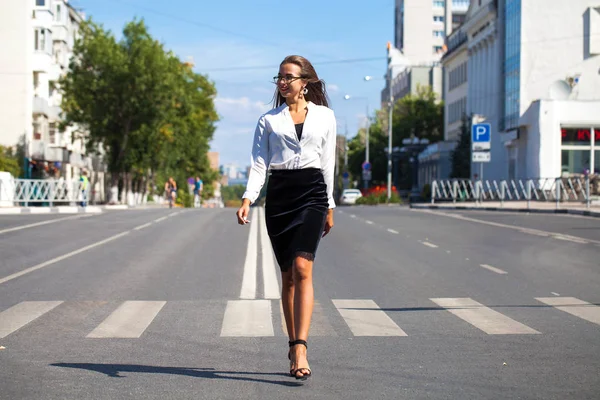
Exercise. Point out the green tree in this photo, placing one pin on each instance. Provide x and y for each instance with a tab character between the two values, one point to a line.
420	115
146	110
461	156
9	162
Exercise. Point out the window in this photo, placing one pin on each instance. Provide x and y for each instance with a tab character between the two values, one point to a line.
438	33
57	16
36	80
438	3
438	19
580	149
512	63
40	3
437	49
52	133
37	130
42	40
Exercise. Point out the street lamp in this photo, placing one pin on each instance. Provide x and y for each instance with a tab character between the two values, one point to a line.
367	139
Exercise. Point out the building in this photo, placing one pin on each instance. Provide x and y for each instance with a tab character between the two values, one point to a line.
455	67
36	43
420	30
420	27
551	118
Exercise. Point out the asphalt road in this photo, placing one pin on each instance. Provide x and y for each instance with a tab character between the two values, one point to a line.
181	304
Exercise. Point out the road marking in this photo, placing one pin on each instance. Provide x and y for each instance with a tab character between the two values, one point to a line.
448	251
160	219
482	317
270	283
570	239
129	320
18	228
137	228
249	278
248	318
393	231
433	246
493	269
579	308
518	228
352	216
369	222
64	256
365	318
554	293
23	313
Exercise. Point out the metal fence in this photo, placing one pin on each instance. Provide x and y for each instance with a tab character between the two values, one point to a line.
47	192
558	190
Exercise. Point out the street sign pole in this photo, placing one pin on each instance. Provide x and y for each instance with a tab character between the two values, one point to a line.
481	140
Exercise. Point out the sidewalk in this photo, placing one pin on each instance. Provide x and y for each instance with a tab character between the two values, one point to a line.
515	206
50	210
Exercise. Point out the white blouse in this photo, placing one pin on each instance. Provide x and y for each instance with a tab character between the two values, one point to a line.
276	146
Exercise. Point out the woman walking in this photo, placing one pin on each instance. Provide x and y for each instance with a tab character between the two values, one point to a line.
295	141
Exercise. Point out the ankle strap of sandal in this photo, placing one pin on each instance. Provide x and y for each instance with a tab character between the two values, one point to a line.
299	341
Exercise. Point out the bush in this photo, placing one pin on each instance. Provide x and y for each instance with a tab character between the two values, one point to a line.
185	198
233	203
426	192
379	198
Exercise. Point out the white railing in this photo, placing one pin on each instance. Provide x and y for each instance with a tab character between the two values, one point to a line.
49	191
556	190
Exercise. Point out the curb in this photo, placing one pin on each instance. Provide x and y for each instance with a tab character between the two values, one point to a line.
50	210
587	213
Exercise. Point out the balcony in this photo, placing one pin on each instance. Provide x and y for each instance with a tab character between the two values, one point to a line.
40	106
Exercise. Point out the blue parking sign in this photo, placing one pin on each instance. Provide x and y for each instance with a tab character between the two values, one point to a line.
481	136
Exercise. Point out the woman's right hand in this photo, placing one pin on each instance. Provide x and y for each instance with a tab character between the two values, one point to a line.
242	213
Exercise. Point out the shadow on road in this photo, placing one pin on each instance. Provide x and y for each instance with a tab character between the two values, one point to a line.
114	371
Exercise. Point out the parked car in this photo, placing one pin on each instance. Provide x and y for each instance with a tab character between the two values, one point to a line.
349	196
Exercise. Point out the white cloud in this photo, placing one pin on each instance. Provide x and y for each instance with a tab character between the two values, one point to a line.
333	88
226	103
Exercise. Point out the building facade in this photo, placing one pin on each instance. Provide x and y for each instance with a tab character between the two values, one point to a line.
455	66
36	44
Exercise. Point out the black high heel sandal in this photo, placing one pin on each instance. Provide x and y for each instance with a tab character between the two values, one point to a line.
305	371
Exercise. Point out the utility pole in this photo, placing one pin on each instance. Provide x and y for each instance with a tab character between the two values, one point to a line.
391	108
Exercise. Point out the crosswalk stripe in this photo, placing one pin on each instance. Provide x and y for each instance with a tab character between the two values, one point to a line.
23	313
129	320
579	308
319	325
270	283
249	277
249	318
482	317
365	318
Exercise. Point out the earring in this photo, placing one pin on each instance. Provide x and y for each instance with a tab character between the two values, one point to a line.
305	91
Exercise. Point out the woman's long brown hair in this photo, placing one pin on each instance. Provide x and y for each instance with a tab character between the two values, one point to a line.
317	93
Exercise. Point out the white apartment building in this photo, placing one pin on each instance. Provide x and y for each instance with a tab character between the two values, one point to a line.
36	42
421	27
551	119
455	67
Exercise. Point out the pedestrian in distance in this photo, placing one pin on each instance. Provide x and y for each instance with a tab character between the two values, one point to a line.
295	144
198	186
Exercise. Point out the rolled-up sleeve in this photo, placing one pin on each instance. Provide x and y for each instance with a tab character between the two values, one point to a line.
259	161
328	158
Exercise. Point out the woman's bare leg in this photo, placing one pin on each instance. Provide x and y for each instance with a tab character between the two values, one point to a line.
302	309
287	301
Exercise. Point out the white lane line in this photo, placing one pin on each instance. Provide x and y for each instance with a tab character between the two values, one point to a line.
18	228
248	318
517	228
570	239
393	231
64	256
160	219
579	308
493	269
129	320
433	246
23	313
248	290
484	318
270	282
352	216
554	293
369	222
365	318
137	228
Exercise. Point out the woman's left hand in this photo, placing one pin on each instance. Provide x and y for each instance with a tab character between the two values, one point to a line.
328	222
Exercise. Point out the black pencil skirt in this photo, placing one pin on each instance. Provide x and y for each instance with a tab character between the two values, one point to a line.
296	210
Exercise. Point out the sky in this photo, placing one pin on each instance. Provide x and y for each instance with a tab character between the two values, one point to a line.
239	45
